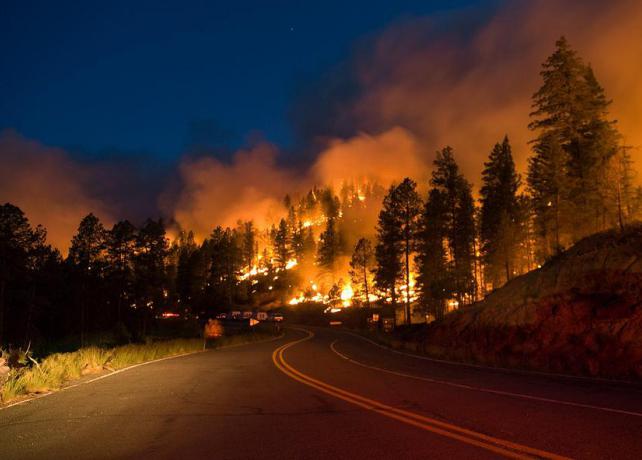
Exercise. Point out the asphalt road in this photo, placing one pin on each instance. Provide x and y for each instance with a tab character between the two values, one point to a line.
324	394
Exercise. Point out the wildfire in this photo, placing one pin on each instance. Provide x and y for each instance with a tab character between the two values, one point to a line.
319	221
314	296
411	293
336	296
346	295
252	272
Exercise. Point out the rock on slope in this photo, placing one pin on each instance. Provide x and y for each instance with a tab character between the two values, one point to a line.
581	313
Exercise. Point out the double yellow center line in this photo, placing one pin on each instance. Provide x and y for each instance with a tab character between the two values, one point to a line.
496	445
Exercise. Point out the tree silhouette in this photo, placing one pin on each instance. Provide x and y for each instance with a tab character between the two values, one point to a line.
361	265
87	257
500	215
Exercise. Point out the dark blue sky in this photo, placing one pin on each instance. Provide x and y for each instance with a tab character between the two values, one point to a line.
155	77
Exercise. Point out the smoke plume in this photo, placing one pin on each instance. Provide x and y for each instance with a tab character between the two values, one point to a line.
469	87
250	187
417	86
51	188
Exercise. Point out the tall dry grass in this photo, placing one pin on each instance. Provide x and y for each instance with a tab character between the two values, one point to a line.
56	370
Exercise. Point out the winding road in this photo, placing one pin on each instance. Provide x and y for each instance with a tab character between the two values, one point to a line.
324	394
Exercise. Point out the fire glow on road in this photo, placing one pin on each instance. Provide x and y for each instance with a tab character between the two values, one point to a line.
499	446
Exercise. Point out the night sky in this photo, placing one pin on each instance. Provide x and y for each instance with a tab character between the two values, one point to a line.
204	113
159	77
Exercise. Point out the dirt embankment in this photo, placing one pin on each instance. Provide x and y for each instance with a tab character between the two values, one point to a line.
581	313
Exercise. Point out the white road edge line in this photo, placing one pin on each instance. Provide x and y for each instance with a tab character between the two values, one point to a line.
482	389
104	376
505	370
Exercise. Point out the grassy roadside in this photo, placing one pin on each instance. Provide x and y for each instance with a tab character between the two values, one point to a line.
59	369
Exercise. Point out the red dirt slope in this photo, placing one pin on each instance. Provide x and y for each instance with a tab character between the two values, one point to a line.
581	313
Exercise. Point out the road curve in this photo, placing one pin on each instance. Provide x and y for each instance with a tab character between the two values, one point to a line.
320	393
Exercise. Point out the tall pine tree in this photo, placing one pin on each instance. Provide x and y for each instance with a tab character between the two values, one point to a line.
451	206
500	229
397	232
573	132
329	246
86	255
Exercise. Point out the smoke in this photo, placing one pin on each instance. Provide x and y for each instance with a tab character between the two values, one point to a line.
250	187
51	188
468	87
382	158
421	85
417	86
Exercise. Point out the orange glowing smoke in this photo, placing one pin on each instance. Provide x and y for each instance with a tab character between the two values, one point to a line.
51	188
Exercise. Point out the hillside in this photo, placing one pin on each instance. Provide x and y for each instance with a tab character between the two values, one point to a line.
581	313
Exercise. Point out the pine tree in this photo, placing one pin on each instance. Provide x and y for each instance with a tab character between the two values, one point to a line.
249	245
330	204
397	234
599	143
387	251
620	178
121	243
500	230
361	265
88	245
149	268
452	197
434	281
549	188
86	255
191	269
408	207
298	241
226	261
463	244
329	247
309	243
19	242
281	243
571	114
